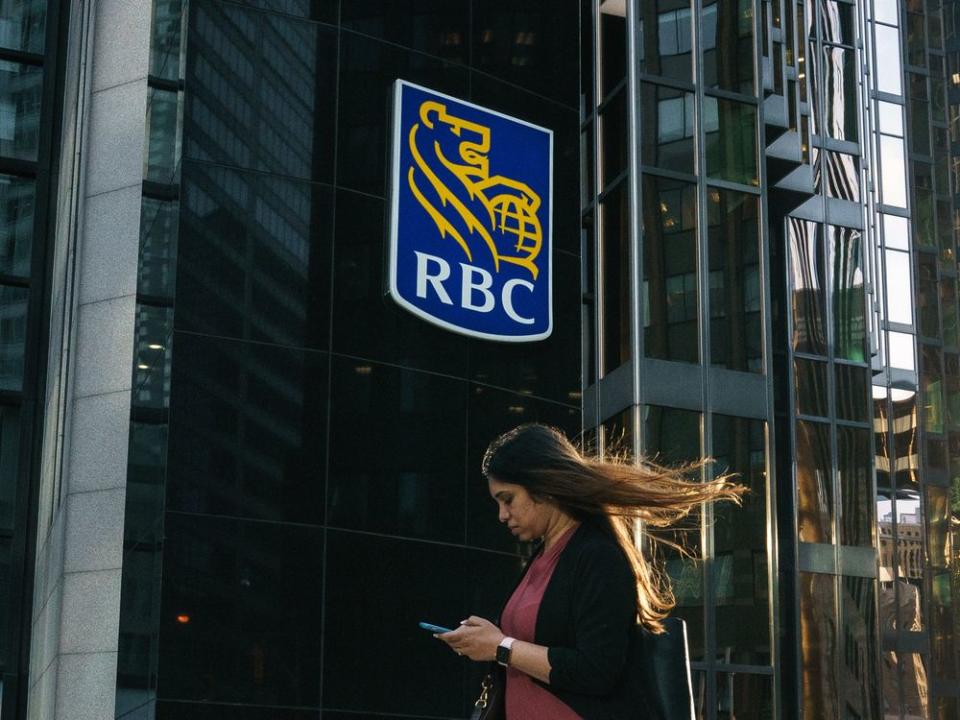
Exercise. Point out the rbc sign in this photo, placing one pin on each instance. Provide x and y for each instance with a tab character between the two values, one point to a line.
470	225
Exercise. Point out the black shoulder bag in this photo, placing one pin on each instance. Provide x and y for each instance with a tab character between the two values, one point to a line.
490	704
663	664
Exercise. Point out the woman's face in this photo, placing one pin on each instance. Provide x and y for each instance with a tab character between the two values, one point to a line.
527	518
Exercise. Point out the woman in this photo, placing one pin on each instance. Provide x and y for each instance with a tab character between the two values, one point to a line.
566	631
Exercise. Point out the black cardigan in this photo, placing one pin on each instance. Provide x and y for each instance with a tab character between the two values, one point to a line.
586	621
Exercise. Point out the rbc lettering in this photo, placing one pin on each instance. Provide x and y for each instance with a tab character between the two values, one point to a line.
475	284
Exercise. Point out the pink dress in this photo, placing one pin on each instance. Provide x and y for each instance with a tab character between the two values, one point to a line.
525	700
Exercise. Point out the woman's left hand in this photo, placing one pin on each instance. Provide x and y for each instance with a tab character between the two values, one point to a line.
476	639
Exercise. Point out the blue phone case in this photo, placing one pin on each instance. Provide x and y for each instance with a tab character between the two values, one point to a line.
434	628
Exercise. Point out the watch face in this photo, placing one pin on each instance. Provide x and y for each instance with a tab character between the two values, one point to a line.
503	655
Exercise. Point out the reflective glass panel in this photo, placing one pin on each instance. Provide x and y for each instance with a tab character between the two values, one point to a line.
735	293
899	295
165	46
807	273
931	383
9	457
392	490
16	224
814	482
856	486
916	686
254	255
20	91
945	234
937	510
887	11
952	386
13	329
153	355
524	44
948	304
901	349
260	88
928	296
905	446
613	40
840	91
668	127
811	385
837	22
859	674
587	169
442	28
615	263
910	562
938	106
916	36
728	45
741	696
159	223
739	568
891	118
670	269
248	591
851	392
896	232
919	123
613	136
888	63
893	173
672	437
730	134
163	150
818	647
935	27
842	176
22	24
666	38
847	291
940	538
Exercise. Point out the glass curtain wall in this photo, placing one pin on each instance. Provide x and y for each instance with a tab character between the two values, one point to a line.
916	389
150	402
672	224
829	370
28	63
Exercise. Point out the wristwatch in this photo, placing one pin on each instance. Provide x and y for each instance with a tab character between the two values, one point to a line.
503	650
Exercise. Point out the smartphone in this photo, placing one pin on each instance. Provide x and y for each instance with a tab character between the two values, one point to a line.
434	628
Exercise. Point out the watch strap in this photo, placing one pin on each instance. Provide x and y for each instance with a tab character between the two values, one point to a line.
504	649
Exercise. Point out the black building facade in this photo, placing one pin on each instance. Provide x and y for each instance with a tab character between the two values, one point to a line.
320	448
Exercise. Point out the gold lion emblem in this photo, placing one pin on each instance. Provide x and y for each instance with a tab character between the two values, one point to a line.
500	210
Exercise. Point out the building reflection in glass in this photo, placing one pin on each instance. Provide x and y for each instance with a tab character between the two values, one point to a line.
807	271
735	293
666	38
818	600
670	269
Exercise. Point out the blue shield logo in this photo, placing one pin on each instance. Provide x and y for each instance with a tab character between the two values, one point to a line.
470	225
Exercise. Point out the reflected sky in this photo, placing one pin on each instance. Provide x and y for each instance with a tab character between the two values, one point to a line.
893	174
888	63
901	351
897	278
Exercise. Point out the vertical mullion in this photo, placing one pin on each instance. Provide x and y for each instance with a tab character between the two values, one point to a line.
772	535
703	326
634	199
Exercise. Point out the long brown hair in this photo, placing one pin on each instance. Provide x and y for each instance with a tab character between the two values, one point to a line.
611	493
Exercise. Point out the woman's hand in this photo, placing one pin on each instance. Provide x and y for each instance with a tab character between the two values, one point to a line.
476	639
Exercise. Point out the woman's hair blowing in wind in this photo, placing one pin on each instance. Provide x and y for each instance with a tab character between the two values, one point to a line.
612	493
